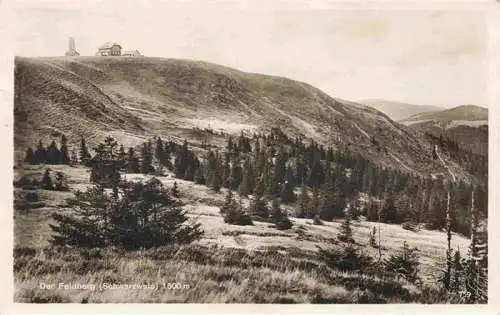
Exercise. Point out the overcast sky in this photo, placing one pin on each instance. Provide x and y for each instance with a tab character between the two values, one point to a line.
420	57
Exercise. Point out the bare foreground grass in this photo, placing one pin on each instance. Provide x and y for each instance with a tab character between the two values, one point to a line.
231	264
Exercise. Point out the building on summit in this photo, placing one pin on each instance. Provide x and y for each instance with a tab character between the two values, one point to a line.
72	48
110	49
134	52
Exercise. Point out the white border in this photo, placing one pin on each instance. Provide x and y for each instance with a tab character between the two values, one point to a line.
7	28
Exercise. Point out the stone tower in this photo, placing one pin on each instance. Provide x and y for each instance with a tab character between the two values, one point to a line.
72	48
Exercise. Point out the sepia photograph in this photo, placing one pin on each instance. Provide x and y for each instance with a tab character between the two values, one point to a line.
241	152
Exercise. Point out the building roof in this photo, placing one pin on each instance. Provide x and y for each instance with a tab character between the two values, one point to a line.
108	45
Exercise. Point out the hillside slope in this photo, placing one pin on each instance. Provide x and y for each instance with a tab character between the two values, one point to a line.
399	110
137	98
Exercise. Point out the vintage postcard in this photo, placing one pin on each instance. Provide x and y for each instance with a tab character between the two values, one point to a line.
251	152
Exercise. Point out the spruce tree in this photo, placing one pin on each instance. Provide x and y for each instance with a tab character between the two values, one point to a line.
132	163
53	153
175	191
279	216
314	204
98	220
317	174
30	156
303	203
84	153
199	175
287	194
146	166
89	226
229	203
104	166
236	175
64	153
74	157
404	264
211	167
345	234
46	182
258	207
159	153
122	157
225	171
40	154
457	278
233	211
60	183
216	181
247	185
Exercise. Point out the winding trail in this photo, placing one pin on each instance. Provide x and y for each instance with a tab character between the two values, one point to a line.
444	164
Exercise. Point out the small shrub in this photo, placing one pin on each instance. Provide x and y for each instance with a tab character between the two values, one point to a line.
317	220
410	226
405	264
237	217
347	259
280	218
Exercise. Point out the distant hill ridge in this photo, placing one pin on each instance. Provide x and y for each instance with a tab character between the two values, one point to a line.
399	110
463	112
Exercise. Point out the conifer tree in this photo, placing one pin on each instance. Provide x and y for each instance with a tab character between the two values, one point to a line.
122	157
104	166
303	203
456	285
64	153
199	175
225	172
192	166
287	194
404	264
244	143
373	239
159	153
229	203
345	234
98	220
60	183
314	205
236	175
216	181
317	175
389	213
279	216
53	153
74	157
84	153
40	154
147	159
46	182
132	164
258	207
233	211
175	191
30	156
247	185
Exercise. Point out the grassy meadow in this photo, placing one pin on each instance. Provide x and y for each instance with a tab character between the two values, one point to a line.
230	264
